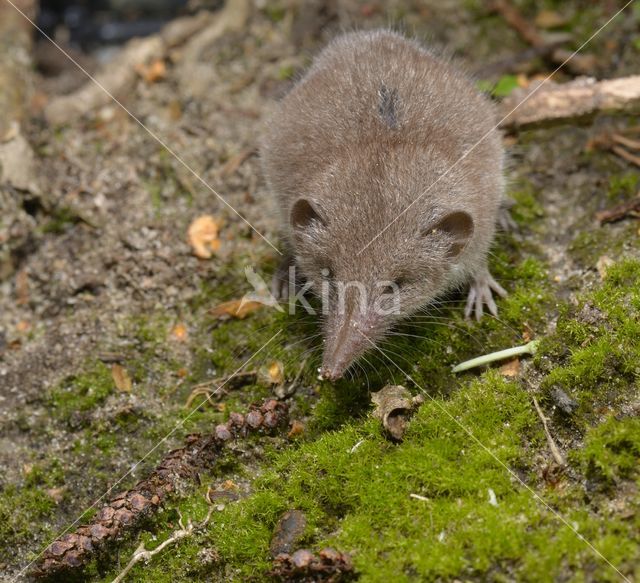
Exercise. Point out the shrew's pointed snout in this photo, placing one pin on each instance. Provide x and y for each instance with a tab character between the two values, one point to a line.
351	341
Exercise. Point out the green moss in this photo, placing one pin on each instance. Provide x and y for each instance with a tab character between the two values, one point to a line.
355	490
611	451
595	348
28	504
286	72
82	392
622	186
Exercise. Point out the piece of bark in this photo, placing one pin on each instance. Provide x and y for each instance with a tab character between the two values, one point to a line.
126	510
548	101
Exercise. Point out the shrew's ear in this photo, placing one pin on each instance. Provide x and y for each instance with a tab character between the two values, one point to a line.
459	226
303	214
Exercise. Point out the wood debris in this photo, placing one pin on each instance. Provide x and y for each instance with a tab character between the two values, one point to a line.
619	143
548	102
126	510
327	565
629	208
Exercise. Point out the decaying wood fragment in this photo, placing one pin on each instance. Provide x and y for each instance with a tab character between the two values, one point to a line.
547	101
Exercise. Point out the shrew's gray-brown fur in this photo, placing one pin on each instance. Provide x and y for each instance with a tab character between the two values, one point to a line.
388	172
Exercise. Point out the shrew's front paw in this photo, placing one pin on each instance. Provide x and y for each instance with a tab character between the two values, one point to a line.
481	294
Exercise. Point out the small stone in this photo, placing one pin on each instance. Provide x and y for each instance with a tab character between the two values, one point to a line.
563	401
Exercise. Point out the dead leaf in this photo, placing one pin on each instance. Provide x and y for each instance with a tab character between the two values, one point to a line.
394	406
153	72
203	236
297	428
56	494
23	326
235	309
510	368
276	373
121	378
179	332
549	19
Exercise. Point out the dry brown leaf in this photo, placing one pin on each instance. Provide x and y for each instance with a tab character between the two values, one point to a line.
235	309
510	368
276	373
23	326
56	494
121	378
153	72
297	428
549	19
179	332
203	236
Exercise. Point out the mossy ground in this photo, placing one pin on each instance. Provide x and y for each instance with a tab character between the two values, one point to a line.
476	433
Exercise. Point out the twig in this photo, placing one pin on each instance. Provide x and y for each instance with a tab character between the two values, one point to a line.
628	156
209	388
580	64
630	208
142	554
552	444
529	348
